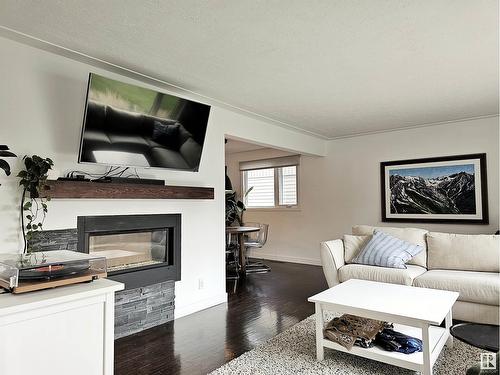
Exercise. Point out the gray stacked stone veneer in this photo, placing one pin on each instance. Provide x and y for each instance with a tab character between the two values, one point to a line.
48	240
142	308
135	309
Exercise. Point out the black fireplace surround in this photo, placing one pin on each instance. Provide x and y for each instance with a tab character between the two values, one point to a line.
140	276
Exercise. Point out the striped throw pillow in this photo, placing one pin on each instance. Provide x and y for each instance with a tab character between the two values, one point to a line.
385	250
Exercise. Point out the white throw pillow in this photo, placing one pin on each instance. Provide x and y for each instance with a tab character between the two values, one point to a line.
352	246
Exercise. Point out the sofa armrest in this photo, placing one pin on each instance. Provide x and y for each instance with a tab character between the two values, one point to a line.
332	258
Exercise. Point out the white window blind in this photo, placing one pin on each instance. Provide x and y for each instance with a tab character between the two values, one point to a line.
262	181
288	186
274	182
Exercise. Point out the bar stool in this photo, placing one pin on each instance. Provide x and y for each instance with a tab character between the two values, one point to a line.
256	241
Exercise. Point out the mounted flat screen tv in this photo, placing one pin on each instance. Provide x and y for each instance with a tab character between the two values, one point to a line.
132	126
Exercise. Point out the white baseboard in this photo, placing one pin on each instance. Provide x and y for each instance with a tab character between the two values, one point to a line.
284	258
199	305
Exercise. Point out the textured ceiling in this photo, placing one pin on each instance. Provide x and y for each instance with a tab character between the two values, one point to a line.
334	68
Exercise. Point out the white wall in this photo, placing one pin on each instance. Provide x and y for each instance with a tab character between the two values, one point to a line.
343	188
42	98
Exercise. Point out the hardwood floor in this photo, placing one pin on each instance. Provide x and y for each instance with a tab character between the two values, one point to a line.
258	309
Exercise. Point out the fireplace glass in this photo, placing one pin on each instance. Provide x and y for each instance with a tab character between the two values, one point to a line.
127	250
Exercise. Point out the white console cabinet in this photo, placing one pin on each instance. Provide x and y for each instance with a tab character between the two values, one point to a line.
65	330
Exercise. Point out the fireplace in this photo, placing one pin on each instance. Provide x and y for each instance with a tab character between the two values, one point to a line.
130	250
140	249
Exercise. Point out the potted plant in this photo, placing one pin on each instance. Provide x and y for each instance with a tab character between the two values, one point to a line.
235	207
33	206
5	153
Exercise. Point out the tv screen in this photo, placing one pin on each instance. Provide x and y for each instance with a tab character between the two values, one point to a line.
132	126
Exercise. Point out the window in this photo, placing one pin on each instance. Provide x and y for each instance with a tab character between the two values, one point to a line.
134	98
273	181
287	178
262	183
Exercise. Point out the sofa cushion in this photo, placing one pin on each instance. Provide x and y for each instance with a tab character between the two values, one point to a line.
353	245
96	139
124	122
166	134
128	143
385	250
191	152
165	158
473	252
413	235
477	287
184	135
95	116
403	276
148	122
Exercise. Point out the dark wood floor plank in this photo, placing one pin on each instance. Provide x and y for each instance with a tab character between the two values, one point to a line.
258	309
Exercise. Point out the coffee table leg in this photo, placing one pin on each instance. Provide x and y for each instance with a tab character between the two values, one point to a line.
320	351
427	370
448	321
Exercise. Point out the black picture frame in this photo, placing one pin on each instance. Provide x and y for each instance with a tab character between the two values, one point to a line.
480	192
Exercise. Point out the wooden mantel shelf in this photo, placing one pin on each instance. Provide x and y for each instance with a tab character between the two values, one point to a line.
98	190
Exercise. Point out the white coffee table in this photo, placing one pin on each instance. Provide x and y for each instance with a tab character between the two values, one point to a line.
417	312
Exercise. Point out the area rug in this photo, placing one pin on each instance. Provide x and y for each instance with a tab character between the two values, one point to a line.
294	352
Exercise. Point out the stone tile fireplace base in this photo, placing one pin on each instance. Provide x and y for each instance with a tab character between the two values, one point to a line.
135	309
142	308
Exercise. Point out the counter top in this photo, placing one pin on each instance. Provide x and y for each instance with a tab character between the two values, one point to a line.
16	303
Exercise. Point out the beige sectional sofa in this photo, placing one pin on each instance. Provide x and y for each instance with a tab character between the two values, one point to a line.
467	264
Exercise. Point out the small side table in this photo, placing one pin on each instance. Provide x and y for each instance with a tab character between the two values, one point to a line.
482	336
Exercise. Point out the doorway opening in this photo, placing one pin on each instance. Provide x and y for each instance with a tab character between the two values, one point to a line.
262	183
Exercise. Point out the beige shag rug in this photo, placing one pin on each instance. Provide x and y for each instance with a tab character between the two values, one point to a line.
294	352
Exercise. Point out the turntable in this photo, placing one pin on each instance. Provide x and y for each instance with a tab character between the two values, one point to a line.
20	273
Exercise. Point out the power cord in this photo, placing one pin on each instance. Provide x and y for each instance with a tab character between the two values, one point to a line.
111	172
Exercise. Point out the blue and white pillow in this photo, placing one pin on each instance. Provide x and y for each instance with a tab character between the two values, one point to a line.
385	250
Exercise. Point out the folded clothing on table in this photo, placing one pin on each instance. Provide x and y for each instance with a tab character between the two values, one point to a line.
394	341
349	330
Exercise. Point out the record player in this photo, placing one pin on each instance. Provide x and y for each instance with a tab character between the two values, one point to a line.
20	273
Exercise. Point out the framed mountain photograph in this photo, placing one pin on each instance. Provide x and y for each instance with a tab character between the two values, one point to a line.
449	189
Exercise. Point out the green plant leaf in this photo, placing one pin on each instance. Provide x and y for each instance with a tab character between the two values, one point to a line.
248	192
5	166
7	154
33	178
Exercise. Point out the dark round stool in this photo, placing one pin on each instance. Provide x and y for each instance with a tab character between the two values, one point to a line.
482	336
